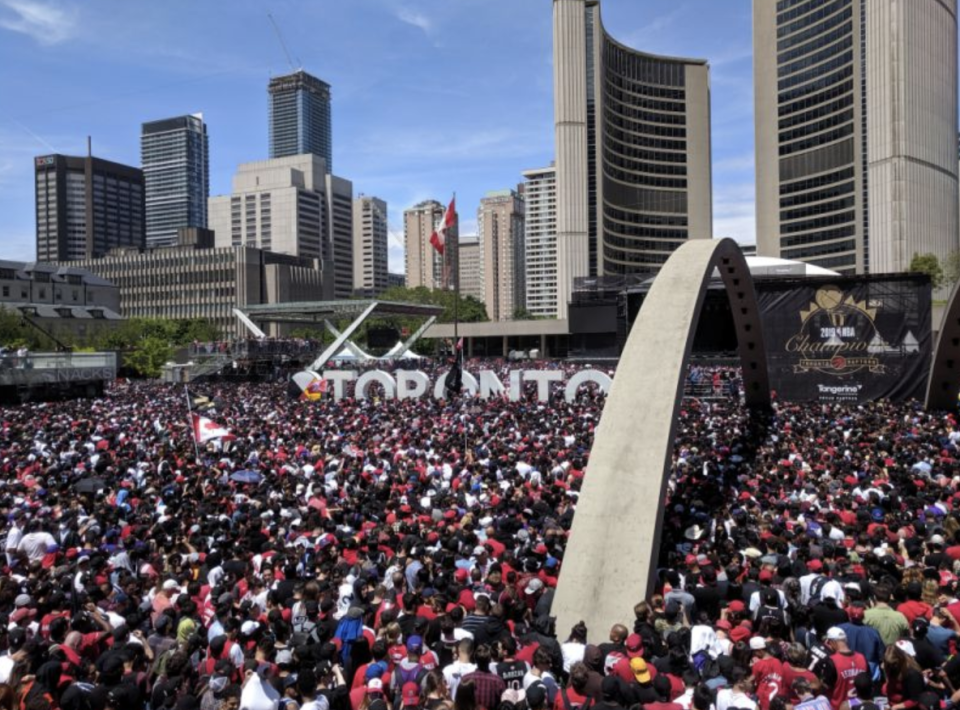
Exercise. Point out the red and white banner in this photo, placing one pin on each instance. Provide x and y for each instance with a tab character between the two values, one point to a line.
206	429
439	236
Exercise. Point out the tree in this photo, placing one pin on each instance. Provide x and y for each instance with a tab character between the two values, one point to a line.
149	356
927	264
951	268
521	313
470	309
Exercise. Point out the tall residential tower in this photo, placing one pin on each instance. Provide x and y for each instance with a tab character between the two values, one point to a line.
500	223
856	131
540	241
632	151
370	246
424	265
300	117
175	158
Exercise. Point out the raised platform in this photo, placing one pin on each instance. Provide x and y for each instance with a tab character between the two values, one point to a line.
41	376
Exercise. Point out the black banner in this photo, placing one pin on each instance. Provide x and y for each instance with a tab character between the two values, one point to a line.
847	339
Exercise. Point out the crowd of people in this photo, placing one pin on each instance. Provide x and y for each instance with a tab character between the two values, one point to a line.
403	554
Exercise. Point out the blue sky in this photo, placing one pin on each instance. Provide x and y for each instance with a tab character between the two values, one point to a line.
429	96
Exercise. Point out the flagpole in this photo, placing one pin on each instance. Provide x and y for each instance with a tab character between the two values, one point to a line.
456	285
193	431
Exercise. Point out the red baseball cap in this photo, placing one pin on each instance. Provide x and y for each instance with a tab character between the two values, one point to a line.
411	694
736	606
634	645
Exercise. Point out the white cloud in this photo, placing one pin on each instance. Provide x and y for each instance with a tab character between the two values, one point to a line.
417	19
735	214
395	259
434	145
47	23
736	163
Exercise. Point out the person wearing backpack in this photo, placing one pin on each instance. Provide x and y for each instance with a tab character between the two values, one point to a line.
409	670
574	695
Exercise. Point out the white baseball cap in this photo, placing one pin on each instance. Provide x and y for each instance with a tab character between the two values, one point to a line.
835	633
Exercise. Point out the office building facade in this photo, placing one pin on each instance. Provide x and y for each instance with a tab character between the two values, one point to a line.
86	206
856	131
370	246
540	241
424	266
500	225
632	151
471	267
291	206
175	158
300	117
196	282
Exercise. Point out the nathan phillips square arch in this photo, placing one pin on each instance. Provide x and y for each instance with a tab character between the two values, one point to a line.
611	557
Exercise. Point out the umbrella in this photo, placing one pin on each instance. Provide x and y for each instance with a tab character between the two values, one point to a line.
90	485
246	476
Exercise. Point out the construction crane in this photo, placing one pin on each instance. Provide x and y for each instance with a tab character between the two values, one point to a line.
276	29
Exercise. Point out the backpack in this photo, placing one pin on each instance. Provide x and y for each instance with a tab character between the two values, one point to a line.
816	587
402	676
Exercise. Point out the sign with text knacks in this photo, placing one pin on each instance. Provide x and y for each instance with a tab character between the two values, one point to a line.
847	339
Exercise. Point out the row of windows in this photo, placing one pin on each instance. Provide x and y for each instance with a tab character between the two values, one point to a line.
786	27
621	235
626	110
809	129
819	222
632	178
821	249
846	203
624	90
817	140
815	59
816	237
633	165
613	119
644	141
654	220
838	263
804	77
825	27
643	69
822	110
815	87
830	157
827	33
784	5
636	261
638	199
824	194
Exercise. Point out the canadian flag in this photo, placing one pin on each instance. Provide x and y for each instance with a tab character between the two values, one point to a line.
439	236
206	429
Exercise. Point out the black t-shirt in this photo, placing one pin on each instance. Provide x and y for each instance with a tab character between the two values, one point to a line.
512	673
825	616
708	601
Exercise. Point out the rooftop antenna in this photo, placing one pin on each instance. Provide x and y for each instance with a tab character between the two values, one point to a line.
276	29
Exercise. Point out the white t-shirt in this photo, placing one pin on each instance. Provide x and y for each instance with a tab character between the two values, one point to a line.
34	545
454	672
572	652
730	698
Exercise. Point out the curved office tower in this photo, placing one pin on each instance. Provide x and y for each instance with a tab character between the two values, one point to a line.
633	151
856	128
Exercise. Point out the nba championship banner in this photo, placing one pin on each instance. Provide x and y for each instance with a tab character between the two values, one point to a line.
851	339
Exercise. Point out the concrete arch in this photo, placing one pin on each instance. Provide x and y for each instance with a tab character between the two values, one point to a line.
610	561
944	382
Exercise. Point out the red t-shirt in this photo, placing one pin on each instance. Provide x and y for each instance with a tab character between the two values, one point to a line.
849	666
912	610
790	674
768	676
573	697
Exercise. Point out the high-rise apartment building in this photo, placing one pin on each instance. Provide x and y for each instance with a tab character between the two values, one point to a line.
856	131
424	266
340	210
175	158
291	206
540	241
370	247
86	206
500	219
632	151
471	267
300	117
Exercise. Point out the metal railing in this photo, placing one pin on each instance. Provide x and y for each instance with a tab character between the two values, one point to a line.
36	368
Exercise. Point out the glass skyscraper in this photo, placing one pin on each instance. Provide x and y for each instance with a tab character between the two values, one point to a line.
176	171
300	120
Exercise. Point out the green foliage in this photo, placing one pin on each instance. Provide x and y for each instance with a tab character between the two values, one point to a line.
470	311
149	356
951	268
927	264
